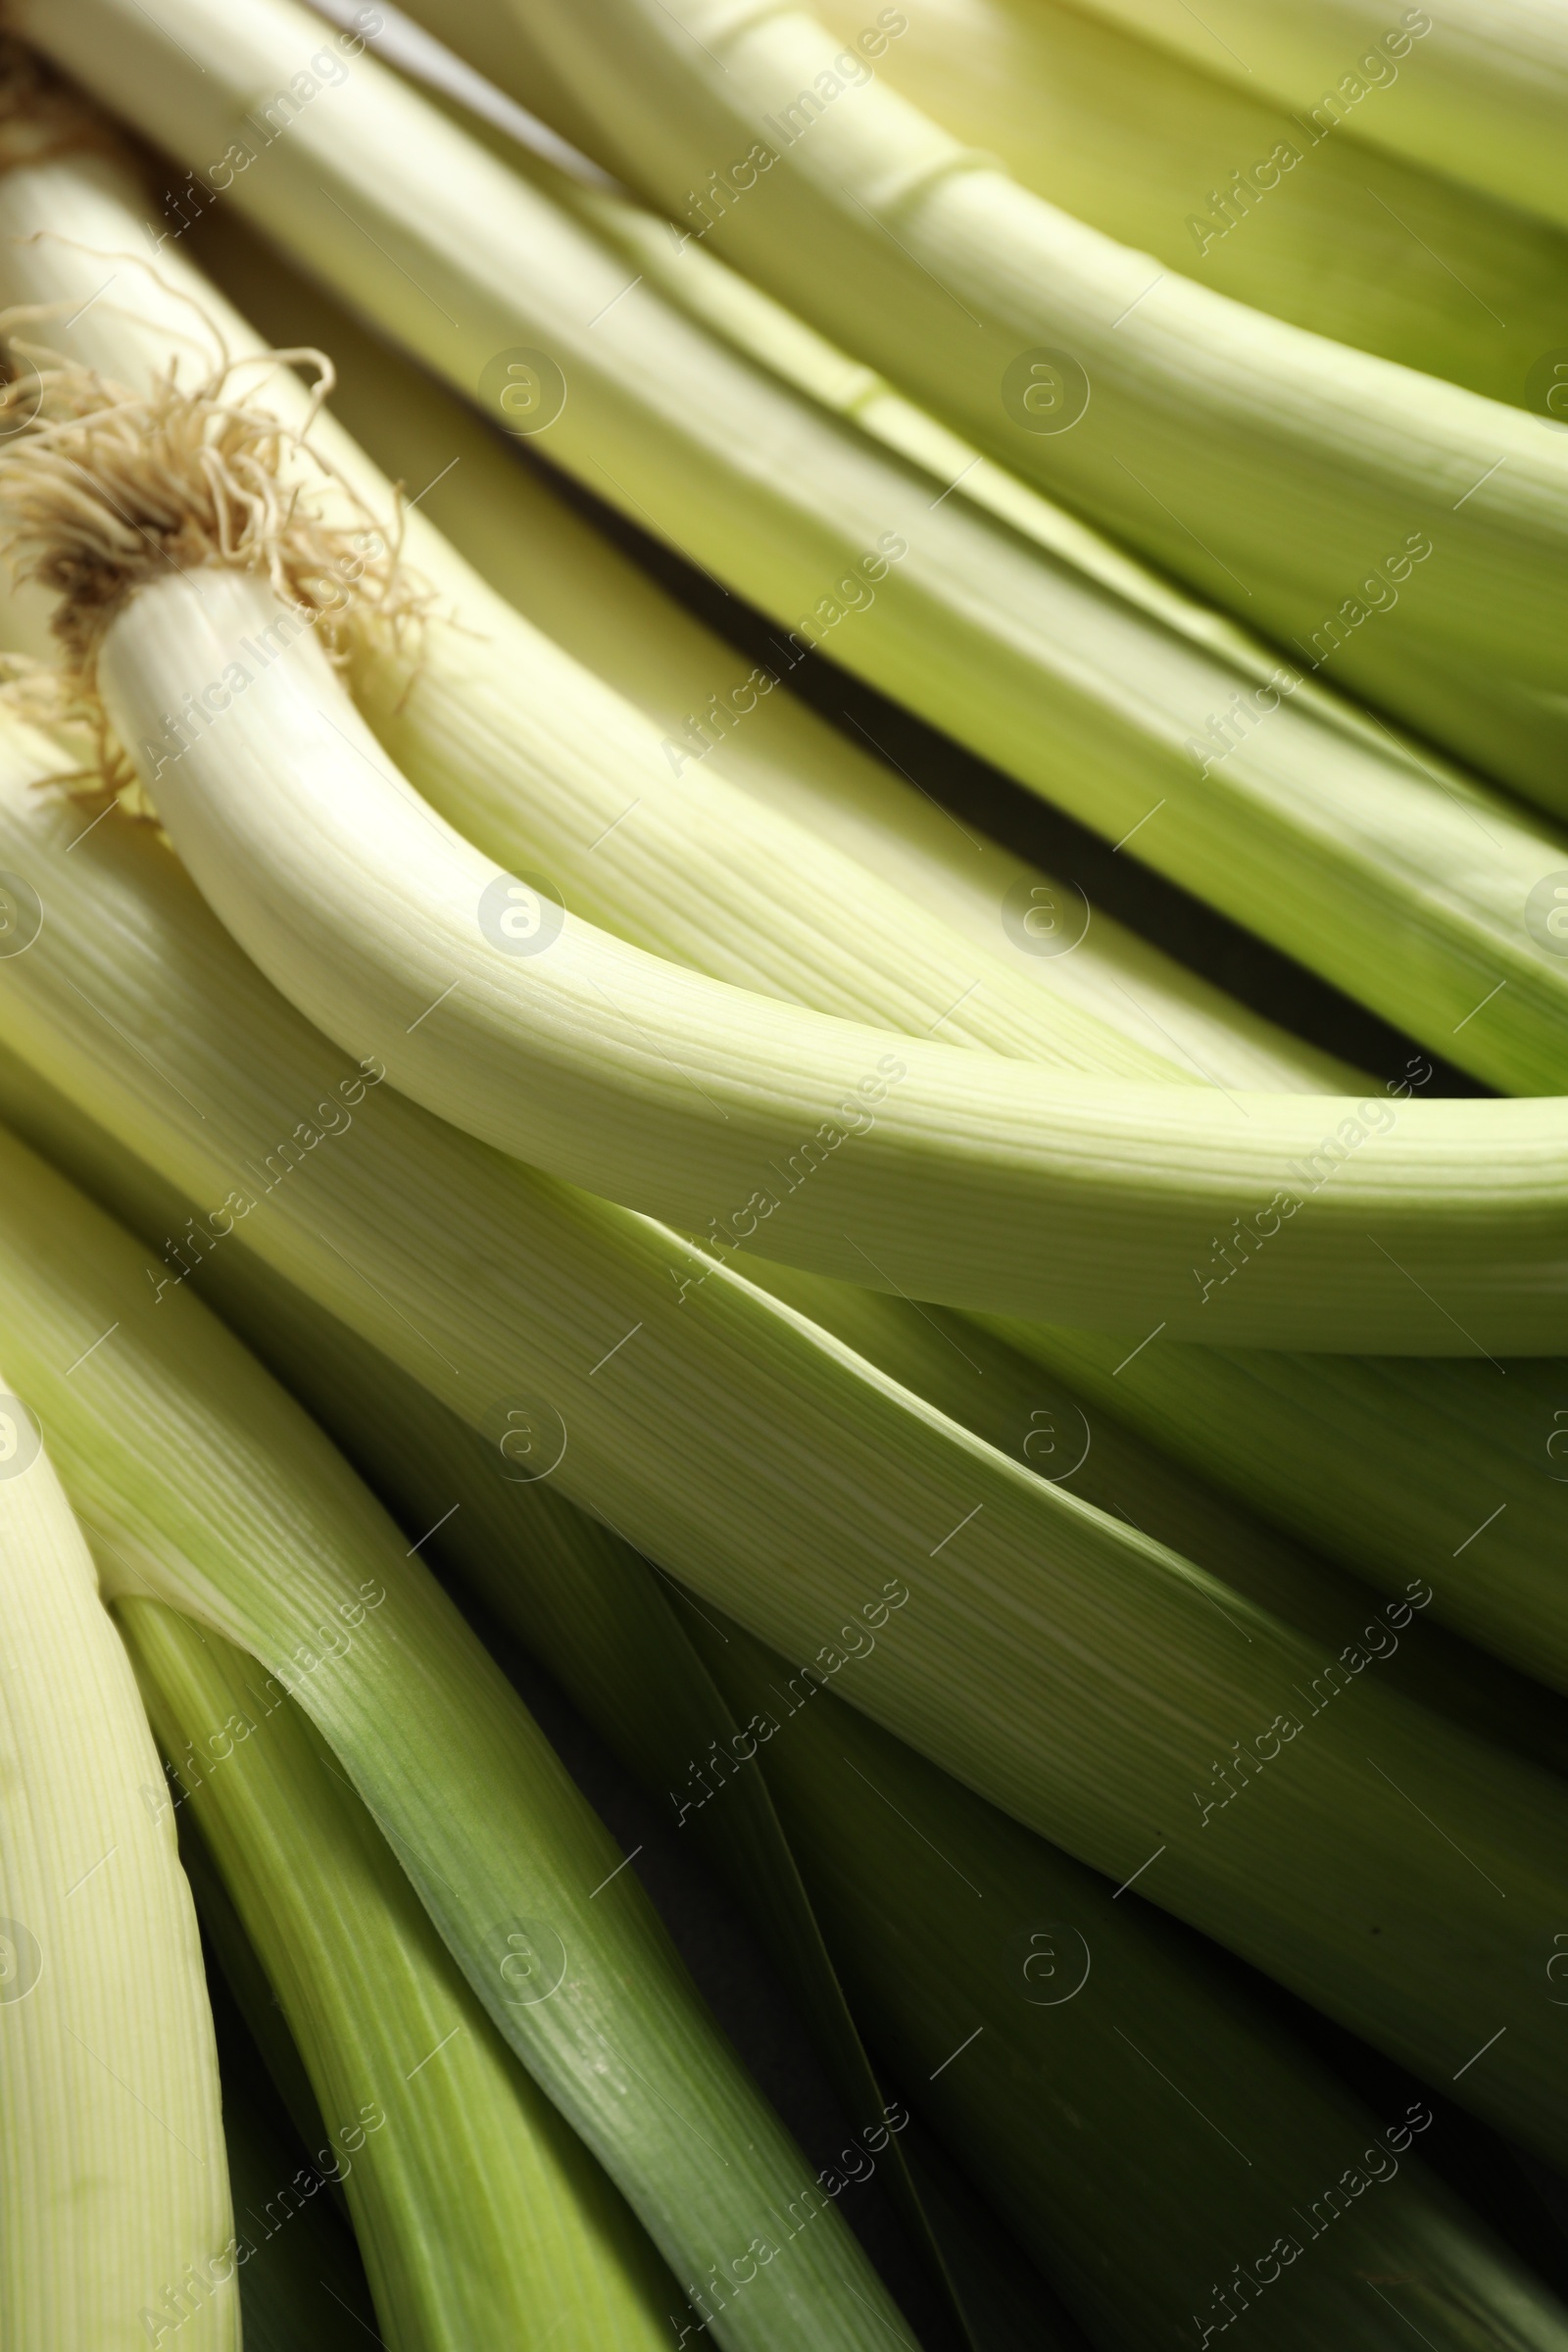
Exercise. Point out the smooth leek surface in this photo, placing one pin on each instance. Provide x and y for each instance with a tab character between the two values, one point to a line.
479	2213
1486	105
957	1177
214	1492
1352	1502
574	583
1236	191
114	2220
901	1915
1085	2060
1064	1666
1273	467
1391	872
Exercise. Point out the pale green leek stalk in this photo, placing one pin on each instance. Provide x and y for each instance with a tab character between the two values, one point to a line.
1485	101
480	2215
570	581
1273	467
1397	876
1388	1466
598	1616
583	1601
1064	1666
114	2185
1504	1605
957	1177
1218	181
1087	2061
205	1485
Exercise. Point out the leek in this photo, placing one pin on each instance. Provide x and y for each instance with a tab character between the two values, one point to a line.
584	1602
1497	1594
113	2191
1399	878
205	1486
1206	174
1064	1666
480	2214
1085	2061
966	1179
1276	471
1485	105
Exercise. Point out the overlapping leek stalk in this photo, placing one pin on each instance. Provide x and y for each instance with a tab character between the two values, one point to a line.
1399	877
565	576
1487	104
583	1601
1498	1595
114	2185
959	1177
1085	2062
1063	1665
479	2213
1271	207
204	1485
1274	468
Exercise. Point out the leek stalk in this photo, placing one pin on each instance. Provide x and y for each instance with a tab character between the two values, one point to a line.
579	1597
966	1179
1496	1594
1275	469
114	2216
1398	876
1485	101
207	1487
479	2213
1085	2061
1238	192
1065	1667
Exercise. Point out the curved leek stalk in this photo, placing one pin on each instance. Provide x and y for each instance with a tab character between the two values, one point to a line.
1487	104
566	577
207	1487
115	2216
480	2215
958	1178
1084	2060
1402	879
1273	468
1354	1501
1235	191
584	1602
1066	1668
